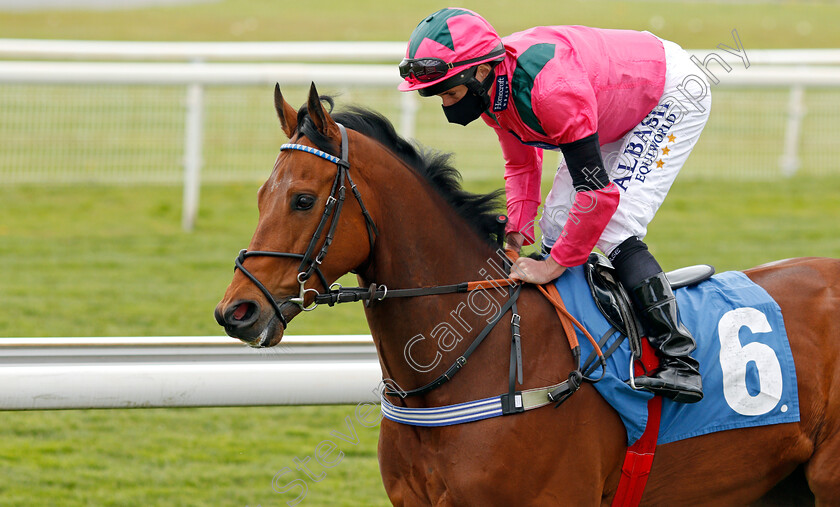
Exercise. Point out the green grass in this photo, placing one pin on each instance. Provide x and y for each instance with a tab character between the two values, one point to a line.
94	260
692	24
113	261
195	457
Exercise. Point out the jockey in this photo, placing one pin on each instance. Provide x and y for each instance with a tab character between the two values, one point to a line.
620	107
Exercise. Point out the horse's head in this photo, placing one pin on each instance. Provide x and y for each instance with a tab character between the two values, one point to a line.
306	236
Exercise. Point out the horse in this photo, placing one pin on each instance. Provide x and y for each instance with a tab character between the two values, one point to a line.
412	225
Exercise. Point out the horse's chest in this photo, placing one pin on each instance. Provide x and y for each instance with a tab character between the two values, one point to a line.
421	469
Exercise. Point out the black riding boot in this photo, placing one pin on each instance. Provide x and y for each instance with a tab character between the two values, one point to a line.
678	376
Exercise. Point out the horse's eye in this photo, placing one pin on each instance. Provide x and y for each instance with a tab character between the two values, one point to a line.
303	202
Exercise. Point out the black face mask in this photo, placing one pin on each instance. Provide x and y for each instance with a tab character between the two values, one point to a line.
467	109
472	104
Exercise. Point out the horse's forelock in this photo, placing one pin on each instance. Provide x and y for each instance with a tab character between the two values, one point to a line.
306	127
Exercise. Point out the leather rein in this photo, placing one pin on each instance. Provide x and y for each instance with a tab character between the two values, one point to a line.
310	262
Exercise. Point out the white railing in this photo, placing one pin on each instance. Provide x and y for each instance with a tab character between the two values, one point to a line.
210	74
193	371
315	51
197	75
205	74
191	51
199	68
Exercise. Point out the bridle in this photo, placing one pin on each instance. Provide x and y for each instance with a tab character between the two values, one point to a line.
309	263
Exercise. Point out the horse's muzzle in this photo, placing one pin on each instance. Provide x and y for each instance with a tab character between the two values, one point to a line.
251	323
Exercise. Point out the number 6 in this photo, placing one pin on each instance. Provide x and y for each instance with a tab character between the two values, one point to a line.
734	359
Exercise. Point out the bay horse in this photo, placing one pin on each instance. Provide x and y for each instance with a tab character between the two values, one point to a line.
412	225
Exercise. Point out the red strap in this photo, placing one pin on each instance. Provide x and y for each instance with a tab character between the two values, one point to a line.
553	295
639	458
490	284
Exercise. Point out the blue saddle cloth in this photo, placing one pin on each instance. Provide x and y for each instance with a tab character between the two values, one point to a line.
749	378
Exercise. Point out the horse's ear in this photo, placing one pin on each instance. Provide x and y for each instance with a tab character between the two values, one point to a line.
286	113
320	117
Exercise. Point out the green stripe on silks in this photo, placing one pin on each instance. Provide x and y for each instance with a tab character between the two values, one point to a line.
528	65
434	27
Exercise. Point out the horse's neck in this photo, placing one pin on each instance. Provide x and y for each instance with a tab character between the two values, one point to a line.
422	243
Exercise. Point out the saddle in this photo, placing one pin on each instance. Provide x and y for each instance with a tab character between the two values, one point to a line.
614	303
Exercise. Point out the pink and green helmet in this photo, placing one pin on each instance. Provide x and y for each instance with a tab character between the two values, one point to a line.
444	46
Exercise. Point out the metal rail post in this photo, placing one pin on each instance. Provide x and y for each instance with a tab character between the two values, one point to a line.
193	142
789	160
408	116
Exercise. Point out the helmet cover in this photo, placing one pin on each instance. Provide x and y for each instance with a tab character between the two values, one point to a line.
451	35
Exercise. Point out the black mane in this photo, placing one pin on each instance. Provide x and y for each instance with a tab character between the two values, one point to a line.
479	210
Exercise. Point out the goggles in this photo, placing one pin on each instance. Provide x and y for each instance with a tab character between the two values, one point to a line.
430	69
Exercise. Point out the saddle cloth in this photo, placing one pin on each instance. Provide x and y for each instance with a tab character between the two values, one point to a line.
749	378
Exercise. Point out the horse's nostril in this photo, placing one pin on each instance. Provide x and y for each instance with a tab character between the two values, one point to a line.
240	311
242	315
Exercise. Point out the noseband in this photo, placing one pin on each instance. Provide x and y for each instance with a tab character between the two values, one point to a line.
309	261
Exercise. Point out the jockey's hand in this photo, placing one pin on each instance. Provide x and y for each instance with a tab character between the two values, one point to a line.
513	241
533	271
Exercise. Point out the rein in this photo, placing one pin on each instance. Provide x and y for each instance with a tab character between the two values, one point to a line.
512	402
